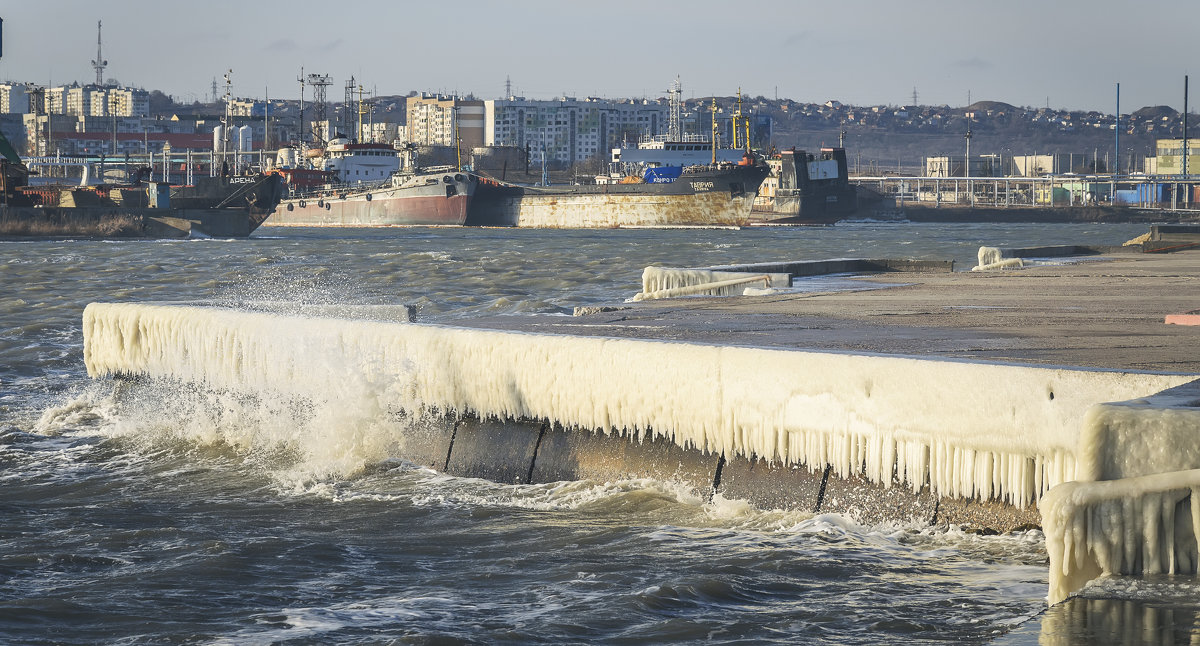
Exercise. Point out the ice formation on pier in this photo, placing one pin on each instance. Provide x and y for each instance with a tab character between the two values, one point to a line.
670	282
1144	525
965	429
1133	508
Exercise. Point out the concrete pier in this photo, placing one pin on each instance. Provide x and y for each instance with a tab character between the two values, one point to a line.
1104	312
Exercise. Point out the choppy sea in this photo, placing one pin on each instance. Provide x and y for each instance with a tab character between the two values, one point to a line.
123	524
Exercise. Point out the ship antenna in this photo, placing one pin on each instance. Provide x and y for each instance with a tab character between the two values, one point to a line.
99	64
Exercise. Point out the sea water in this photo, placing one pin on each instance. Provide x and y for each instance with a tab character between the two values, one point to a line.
147	513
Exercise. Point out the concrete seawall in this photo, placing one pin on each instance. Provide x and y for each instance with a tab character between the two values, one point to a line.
772	426
530	452
944	399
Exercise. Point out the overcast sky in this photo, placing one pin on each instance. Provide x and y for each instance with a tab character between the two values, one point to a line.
1068	53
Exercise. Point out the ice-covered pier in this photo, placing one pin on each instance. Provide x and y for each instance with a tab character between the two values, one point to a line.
982	398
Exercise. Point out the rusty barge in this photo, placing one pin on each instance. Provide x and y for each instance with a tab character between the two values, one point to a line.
712	195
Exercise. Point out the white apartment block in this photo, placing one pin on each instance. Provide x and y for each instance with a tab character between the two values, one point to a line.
438	120
14	97
96	101
569	130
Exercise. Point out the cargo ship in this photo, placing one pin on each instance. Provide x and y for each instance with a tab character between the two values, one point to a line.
217	206
362	185
720	194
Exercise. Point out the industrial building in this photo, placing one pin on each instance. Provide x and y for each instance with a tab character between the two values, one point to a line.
1169	156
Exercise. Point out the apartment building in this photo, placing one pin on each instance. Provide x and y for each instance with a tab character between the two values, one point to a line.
441	120
15	97
97	101
570	130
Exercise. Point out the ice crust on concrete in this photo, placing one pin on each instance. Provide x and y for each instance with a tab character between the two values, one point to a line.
1144	525
1133	506
669	282
993	258
989	256
964	429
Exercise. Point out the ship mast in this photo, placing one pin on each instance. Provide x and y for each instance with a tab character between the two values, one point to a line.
457	141
361	109
740	121
714	130
737	119
674	131
301	79
226	120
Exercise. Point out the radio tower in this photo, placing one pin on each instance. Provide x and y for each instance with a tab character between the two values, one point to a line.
99	64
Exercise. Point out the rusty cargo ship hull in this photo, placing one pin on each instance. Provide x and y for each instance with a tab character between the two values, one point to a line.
421	200
720	196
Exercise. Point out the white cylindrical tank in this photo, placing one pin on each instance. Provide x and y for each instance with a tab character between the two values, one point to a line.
218	139
245	139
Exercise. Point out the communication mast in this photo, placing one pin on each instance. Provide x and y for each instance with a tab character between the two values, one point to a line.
99	64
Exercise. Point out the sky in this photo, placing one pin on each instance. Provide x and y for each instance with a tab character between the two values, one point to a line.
1068	54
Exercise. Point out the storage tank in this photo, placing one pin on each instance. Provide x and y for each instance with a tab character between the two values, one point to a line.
245	139
218	139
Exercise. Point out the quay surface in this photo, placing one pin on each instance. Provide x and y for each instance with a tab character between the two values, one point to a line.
1103	312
